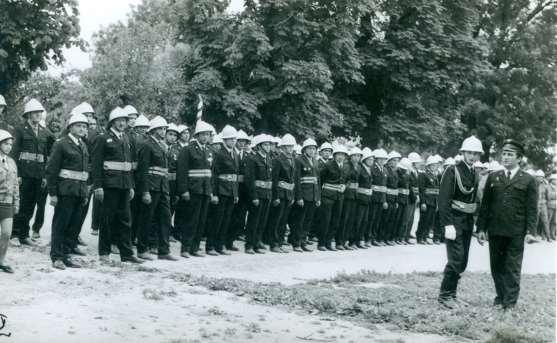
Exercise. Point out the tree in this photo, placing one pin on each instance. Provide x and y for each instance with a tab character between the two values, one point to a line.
32	35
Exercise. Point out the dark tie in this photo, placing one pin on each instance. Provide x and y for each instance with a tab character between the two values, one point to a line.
508	175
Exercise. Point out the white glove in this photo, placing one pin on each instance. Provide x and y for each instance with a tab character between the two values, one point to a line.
450	232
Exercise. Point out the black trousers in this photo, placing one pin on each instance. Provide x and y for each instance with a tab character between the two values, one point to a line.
506	255
438	231
330	215
39	215
155	215
239	219
218	223
375	213
67	215
195	219
400	224
361	229
348	221
174	199
97	215
426	223
29	197
276	226
302	222
457	260
388	217
257	221
135	206
116	222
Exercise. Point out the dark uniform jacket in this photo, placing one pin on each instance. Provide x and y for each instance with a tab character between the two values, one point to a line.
379	182
173	153
509	208
226	166
193	161
352	178
392	184
332	174
414	188
306	179
242	190
429	188
449	191
30	151
152	167
258	169
283	177
365	182
403	187
109	148
67	169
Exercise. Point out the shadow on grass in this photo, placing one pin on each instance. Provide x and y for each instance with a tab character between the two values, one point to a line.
409	302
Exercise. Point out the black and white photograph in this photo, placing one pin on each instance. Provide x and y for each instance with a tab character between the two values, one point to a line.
278	171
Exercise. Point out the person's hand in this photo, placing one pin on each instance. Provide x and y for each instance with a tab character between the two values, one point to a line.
16	210
84	201
396	204
385	206
300	202
43	183
53	200
530	239
146	198
450	232
423	207
276	202
318	203
99	194
291	202
236	200
482	237
214	199
19	181
255	202
131	194
186	196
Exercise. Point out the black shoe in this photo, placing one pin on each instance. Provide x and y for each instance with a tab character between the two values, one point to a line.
260	251
77	251
212	253
447	303
232	248
374	243
261	246
224	252
362	246
340	247
71	264
306	248
81	242
321	248
145	256
27	241
197	254
250	251
297	249
276	250
168	257
58	264
131	259
331	248
6	269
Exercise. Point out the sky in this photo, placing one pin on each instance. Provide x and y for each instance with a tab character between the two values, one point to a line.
96	14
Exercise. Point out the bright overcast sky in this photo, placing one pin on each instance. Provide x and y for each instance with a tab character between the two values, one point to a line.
95	14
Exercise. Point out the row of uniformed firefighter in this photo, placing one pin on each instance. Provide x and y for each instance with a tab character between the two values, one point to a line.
151	184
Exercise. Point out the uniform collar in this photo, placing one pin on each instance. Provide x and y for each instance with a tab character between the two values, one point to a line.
73	139
117	133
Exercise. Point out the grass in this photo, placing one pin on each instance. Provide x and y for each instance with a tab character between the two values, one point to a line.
409	301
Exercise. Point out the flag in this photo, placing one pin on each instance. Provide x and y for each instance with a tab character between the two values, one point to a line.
199	107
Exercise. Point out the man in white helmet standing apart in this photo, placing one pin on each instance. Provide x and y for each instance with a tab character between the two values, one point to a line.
29	152
457	206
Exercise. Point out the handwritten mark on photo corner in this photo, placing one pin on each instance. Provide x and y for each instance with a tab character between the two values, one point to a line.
3	319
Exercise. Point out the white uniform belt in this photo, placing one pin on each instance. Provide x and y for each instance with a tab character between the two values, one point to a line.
160	171
404	191
332	187
380	189
365	191
171	176
134	165
392	191
73	175
308	179
353	185
240	178
286	185
263	184
199	173
432	191
228	177
118	166
29	156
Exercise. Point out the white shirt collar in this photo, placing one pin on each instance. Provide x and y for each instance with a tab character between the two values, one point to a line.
73	138
513	171
116	132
